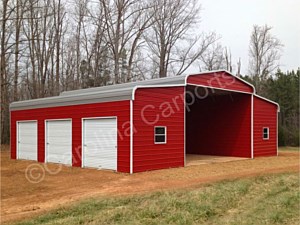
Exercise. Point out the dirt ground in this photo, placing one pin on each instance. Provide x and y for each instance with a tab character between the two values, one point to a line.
58	185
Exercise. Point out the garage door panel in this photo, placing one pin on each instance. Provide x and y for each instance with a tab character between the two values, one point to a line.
100	151
26	133
27	147
27	125
27	140
58	158
109	165
59	141
59	135
100	142
63	149
27	155
98	133
57	124
57	132
99	155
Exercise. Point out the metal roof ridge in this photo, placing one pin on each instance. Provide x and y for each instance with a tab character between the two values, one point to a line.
129	84
70	96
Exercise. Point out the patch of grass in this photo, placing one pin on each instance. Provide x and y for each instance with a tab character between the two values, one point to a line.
289	148
272	199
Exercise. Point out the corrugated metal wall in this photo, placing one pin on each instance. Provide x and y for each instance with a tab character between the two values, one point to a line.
220	125
158	107
265	115
220	80
121	109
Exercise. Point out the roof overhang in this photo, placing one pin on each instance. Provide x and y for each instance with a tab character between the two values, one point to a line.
108	93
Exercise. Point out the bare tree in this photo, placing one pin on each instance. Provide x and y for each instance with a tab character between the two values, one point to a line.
213	58
59	15
216	57
6	32
81	11
239	66
169	38
52	45
264	53
125	22
228	60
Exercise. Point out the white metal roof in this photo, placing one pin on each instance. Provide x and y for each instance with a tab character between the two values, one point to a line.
108	93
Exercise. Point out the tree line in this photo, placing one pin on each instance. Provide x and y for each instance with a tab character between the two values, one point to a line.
270	82
283	88
50	46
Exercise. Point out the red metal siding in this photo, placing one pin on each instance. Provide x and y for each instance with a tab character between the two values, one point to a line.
220	80
265	115
220	125
121	109
158	107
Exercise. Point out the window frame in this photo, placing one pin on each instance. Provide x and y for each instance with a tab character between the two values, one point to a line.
165	135
268	133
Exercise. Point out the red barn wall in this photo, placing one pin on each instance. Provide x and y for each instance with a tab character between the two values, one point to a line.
265	115
220	80
158	107
121	109
220	125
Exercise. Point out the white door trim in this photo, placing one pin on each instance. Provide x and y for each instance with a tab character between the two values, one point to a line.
131	137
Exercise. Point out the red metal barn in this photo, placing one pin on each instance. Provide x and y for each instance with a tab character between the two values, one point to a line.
146	125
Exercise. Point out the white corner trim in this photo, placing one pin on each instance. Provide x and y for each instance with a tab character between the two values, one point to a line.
252	128
268	100
184	128
277	134
131	136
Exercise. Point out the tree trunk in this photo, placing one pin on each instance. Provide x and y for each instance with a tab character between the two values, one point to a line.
4	94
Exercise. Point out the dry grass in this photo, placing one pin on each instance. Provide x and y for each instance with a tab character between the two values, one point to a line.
21	199
272	199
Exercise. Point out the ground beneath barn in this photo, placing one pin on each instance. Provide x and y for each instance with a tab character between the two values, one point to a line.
29	188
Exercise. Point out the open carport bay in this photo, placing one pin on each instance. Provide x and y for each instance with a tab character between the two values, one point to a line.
218	123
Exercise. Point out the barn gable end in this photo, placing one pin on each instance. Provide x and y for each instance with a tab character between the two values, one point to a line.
221	80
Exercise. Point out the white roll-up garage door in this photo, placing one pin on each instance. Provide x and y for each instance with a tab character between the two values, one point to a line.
59	141
100	143
27	140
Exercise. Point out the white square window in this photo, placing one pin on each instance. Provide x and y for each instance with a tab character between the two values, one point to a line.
266	133
160	135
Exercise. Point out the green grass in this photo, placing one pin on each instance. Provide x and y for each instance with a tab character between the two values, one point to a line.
272	199
289	148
